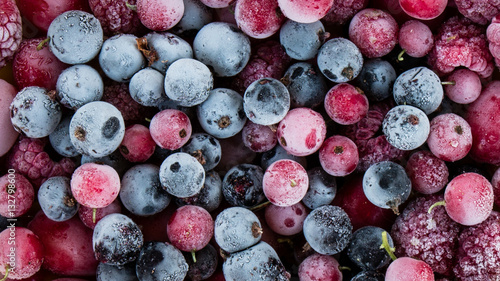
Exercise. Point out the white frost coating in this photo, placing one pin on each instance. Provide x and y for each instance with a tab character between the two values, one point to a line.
406	127
78	85
120	58
188	81
169	48
182	175
266	101
75	37
234	229
301	40
146	87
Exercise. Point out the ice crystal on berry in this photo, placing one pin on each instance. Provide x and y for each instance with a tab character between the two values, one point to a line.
10	30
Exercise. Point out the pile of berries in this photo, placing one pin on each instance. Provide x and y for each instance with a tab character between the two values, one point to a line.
249	140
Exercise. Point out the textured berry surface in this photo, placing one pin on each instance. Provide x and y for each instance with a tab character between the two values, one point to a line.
258	19
10	25
339	156
320	267
95	185
115	16
450	137
344	11
23	258
346	104
415	38
478	11
190	228
412	269
428	174
431	237
285	182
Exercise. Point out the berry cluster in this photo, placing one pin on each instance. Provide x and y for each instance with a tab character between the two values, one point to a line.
249	140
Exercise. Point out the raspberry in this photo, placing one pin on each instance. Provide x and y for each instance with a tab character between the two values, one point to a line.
460	42
11	30
270	60
479	11
29	158
118	95
493	35
432	237
115	16
343	11
372	146
478	255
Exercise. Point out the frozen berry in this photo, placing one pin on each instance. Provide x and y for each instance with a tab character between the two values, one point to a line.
305	11
450	137
170	129
258	19
115	16
137	144
464	86
10	24
415	38
478	11
160	15
428	173
412	270
285	182
423	9
346	104
338	156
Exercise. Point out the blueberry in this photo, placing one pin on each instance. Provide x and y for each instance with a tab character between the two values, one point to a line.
181	175
147	87
406	127
266	101
168	48
78	85
205	148
376	79
120	57
56	200
306	85
161	261
302	40
340	60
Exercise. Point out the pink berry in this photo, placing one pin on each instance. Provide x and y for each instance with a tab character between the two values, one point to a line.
374	31
190	228
450	137
33	67
68	245
160	15
412	270
11	29
344	11
320	267
301	132
305	11
469	198
170	128
482	116
258	18
21	253
285	182
423	9
115	17
95	185
9	135
415	38
493	35
258	138
137	144
428	174
16	195
495	182
466	86
86	214
217	3
346	104
286	220
338	156
479	11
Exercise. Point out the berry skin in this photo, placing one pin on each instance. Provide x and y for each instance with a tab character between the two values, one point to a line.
494	39
466	86
170	129
137	144
423	9
190	228
495	182
9	134
95	185
431	237
286	220
450	137
339	156
285	182
258	18
459	42
480	12
11	28
29	158
301	132
428	174
17	187
304	11
340	60
268	60
319	267
346	104
344	11
478	255
374	31
411	269
118	95
258	138
33	67
160	15
469	198
87	215
415	38
482	118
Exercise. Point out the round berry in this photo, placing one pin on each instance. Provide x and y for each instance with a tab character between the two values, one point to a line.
170	129
346	104
339	156
285	182
450	137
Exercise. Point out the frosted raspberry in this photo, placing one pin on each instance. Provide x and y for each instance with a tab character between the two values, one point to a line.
29	158
270	60
376	150
115	16
368	126
478	255
432	237
479	11
118	95
493	35
460	42
343	10
10	29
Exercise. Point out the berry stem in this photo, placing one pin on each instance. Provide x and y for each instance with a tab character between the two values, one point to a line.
400	55
344	268
7	270
448	83
94	212
260	206
131	7
385	245
193	255
439	203
42	43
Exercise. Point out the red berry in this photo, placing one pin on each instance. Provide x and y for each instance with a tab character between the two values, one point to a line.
286	220
160	15
450	137
258	18
344	11
469	198
479	11
374	31
412	270
95	185
9	135
217	3
190	228
305	11
258	138
10	26
466	86
90	219
428	174
137	144
170	129
285	182
346	104
423	9
415	38
115	16
320	267
16	195
301	132
339	156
